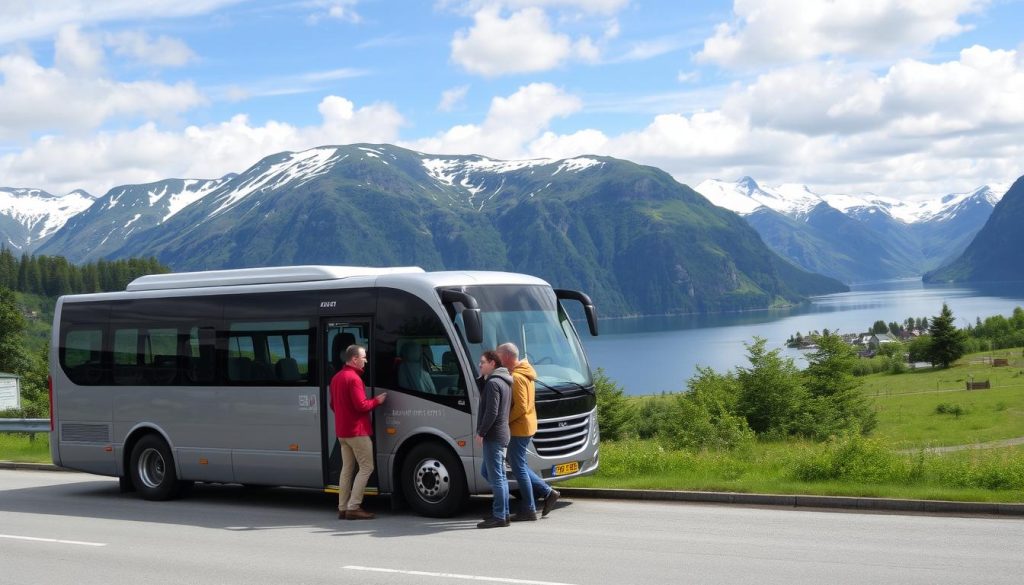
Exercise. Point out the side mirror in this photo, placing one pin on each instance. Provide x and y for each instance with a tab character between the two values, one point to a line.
470	312
588	306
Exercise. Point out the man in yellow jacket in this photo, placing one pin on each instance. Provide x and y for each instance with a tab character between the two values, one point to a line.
522	424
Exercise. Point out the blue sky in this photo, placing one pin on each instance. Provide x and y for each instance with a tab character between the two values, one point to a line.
903	98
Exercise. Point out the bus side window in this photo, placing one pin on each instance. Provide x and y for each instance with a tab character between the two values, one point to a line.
81	356
412	352
275	353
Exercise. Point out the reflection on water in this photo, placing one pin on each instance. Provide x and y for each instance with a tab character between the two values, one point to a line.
654	354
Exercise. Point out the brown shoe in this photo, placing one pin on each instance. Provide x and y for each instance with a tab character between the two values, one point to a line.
341	514
359	514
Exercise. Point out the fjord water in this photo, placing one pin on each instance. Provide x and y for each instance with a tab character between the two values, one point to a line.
649	355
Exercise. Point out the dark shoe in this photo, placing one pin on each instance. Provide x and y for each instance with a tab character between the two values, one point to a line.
493	522
528	516
341	514
549	502
359	514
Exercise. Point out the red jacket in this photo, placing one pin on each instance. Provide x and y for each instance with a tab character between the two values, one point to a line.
351	408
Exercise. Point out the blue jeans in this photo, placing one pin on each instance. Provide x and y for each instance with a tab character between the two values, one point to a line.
529	482
493	471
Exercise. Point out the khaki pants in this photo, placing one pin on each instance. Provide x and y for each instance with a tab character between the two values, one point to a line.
354	451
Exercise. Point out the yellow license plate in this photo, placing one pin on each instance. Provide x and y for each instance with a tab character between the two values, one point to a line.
565	468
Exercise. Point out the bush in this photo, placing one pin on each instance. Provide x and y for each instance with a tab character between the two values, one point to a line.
992	471
947	408
854	458
614	412
704	417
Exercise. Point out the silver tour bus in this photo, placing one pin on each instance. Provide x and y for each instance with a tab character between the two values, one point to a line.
223	376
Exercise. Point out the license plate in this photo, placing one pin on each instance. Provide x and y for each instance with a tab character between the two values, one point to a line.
565	468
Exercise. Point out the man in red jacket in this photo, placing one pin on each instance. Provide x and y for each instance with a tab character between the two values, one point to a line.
354	429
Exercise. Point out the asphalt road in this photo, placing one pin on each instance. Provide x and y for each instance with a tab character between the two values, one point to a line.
77	529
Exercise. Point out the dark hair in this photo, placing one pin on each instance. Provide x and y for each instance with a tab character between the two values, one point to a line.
491	356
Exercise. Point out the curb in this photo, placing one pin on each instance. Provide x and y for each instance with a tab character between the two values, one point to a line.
795	501
777	500
31	466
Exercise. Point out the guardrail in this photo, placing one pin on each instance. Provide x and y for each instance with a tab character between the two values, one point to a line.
24	425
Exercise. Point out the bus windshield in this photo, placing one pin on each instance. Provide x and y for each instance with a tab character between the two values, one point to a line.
531	318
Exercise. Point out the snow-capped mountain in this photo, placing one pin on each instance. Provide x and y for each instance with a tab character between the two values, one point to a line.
876	237
581	222
796	201
103	227
29	216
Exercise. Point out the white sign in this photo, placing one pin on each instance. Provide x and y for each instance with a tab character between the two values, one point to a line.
10	395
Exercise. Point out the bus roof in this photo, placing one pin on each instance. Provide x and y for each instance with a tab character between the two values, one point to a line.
268	275
285	278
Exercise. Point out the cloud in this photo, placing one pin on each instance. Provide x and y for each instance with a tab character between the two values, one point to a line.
522	43
343	10
511	123
162	51
147	153
452	98
600	7
770	32
75	95
27	19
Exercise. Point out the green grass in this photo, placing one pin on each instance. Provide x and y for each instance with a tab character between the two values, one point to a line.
18	447
779	468
907	403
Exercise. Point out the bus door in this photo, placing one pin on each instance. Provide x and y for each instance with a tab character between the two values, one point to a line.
337	334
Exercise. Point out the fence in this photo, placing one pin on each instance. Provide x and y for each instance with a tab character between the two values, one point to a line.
24	425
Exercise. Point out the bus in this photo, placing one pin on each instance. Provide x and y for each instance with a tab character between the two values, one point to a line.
222	377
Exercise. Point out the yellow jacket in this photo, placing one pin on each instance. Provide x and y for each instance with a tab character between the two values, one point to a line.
522	415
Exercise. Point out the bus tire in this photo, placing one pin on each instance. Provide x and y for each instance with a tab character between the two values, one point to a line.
433	481
153	471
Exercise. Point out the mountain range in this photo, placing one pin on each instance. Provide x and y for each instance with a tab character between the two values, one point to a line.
634	238
861	237
994	255
29	216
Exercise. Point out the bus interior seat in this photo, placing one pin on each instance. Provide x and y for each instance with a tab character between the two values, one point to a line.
287	370
448	362
261	371
411	374
239	369
126	375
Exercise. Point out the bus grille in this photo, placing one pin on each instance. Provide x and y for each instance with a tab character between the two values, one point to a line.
558	437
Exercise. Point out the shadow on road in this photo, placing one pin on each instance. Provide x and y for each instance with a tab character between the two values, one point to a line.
238	508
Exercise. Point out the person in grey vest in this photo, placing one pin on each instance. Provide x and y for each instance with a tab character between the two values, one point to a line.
493	435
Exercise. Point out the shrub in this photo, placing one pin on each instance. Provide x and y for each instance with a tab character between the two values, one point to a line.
854	458
614	412
947	408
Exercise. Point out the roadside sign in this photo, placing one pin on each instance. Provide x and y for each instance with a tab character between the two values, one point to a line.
10	392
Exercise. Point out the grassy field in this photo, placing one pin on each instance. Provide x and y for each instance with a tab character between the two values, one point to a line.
908	404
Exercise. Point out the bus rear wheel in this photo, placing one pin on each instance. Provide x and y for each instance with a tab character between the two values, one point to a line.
153	471
433	481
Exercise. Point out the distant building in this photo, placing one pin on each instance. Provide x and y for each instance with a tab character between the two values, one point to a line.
878	339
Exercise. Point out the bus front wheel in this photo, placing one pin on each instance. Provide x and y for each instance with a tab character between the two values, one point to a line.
153	471
433	481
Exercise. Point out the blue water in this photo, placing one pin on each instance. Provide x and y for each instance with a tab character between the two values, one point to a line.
653	354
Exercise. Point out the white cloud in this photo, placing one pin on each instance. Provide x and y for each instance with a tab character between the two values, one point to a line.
510	124
452	98
148	153
74	95
601	7
522	43
31	19
162	51
343	10
785	31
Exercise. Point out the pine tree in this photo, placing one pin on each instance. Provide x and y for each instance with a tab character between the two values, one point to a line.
948	343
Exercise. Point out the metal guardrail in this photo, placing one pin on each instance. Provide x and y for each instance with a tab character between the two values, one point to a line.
24	425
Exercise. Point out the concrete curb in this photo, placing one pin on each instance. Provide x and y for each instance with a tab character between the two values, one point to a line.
780	500
31	466
795	501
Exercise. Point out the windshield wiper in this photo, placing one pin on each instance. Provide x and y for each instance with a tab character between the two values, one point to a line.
576	384
555	390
